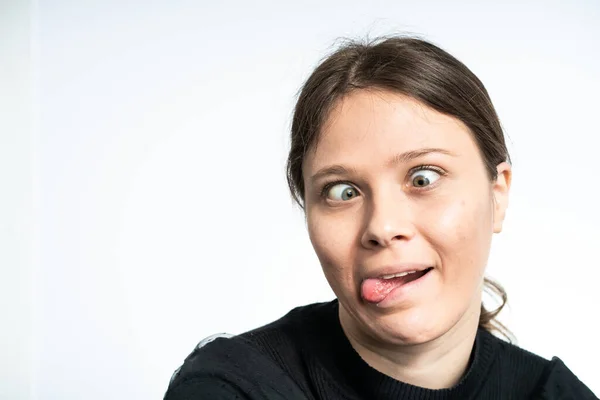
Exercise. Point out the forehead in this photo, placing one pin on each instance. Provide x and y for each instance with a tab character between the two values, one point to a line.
366	126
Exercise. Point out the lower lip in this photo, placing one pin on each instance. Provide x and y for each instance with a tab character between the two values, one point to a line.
402	293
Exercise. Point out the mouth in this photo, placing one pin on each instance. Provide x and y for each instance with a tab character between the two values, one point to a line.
375	290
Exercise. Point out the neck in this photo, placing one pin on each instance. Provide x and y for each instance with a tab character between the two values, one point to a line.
437	364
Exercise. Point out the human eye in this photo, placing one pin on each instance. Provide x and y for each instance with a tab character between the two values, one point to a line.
425	175
339	191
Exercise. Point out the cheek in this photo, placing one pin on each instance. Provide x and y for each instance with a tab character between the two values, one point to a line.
464	217
462	233
334	242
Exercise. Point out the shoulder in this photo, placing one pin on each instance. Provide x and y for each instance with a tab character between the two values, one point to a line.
544	379
261	363
558	382
230	367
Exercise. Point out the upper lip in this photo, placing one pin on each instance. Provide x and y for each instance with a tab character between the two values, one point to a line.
396	269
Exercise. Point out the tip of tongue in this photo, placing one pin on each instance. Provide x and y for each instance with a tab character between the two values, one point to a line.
375	290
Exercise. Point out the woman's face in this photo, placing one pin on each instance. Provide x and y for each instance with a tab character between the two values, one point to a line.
396	188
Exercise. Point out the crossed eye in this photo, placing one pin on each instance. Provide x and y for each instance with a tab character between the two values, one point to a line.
345	191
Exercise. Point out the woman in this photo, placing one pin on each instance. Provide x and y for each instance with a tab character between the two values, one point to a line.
399	161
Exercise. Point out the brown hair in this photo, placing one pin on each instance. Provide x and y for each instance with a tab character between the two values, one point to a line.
415	68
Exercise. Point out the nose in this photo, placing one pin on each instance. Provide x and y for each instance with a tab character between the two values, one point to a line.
388	221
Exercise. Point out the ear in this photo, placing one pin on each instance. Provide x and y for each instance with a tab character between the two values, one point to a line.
500	189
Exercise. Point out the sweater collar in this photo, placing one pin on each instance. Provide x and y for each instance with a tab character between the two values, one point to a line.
369	383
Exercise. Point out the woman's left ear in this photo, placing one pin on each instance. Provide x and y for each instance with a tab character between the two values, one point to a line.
500	189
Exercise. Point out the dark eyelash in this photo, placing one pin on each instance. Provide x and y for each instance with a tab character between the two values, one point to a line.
427	167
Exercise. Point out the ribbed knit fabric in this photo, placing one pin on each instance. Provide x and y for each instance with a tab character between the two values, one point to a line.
306	355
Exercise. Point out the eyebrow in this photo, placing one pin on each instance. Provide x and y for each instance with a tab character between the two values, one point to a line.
414	154
405	157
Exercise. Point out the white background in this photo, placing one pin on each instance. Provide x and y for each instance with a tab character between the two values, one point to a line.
144	206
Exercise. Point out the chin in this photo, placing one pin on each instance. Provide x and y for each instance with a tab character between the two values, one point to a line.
411	326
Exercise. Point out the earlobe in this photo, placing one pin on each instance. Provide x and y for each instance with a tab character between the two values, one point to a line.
500	190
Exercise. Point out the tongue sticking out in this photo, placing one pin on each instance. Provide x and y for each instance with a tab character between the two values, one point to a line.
375	290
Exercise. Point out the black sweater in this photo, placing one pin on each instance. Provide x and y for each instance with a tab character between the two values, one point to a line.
306	355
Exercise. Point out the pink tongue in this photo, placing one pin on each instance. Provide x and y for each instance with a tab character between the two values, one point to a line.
375	290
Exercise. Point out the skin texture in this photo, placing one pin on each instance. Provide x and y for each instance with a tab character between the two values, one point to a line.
384	215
